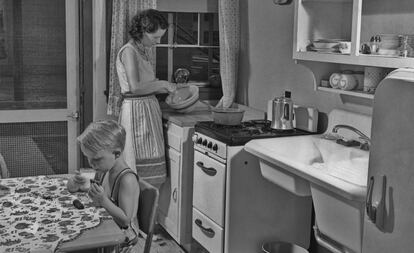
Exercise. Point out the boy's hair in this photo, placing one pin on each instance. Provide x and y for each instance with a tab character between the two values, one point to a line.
149	21
103	135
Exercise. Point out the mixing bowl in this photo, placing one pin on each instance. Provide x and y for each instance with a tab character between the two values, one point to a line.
183	99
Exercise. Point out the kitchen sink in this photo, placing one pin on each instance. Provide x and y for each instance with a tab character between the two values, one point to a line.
294	162
335	175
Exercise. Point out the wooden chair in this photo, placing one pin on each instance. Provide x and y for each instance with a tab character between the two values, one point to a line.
147	210
4	172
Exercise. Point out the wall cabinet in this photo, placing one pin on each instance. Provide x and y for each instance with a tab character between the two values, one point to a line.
175	205
356	21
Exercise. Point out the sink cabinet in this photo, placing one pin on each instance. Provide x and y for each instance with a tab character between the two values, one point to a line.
175	205
351	20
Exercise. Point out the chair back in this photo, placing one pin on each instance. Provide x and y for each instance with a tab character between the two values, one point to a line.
147	211
4	172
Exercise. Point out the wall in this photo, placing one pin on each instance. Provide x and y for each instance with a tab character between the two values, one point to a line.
266	66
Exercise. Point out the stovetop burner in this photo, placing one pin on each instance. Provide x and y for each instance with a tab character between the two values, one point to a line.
246	131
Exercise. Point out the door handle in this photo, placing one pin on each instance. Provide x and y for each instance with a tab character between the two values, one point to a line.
74	115
208	170
371	210
207	231
174	195
376	210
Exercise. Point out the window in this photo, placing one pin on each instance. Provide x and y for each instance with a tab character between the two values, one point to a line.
191	42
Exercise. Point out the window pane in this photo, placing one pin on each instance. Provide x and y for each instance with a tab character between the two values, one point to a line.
209	29
35	148
162	63
185	28
164	39
32	54
202	62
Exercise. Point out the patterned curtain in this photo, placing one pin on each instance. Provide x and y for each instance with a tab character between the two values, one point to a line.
122	12
229	22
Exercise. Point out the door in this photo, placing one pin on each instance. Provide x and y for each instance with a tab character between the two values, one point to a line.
39	79
389	223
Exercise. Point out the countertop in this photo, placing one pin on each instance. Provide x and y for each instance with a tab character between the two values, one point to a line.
202	113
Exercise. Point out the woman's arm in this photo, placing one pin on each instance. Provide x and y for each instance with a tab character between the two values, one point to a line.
131	64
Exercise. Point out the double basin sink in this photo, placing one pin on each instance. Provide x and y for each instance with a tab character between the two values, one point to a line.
295	162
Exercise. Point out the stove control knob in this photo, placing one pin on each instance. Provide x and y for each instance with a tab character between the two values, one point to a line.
205	143
210	144
215	147
199	140
194	138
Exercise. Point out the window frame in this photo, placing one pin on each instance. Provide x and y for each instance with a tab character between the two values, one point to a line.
171	45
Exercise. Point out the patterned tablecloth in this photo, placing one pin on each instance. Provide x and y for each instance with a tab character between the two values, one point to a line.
38	213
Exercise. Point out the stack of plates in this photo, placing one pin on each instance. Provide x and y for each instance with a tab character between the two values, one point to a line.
389	44
389	41
326	45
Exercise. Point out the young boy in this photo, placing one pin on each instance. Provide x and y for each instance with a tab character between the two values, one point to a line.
102	143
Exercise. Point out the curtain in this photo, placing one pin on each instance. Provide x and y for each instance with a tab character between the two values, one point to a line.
229	23
122	13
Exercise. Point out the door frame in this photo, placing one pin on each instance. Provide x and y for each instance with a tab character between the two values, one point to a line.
72	91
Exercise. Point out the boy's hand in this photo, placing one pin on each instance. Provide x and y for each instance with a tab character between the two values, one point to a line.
97	194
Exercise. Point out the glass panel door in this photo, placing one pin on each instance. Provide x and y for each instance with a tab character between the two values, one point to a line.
39	79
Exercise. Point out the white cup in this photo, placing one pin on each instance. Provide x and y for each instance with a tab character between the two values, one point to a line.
345	47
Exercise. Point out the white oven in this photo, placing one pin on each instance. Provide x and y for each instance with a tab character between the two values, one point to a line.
234	208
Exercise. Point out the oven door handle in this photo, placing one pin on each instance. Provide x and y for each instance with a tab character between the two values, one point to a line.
207	231
208	170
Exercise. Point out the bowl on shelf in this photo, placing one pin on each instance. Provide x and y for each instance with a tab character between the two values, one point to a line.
327	43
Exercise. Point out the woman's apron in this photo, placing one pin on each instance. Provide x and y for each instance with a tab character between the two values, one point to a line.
142	119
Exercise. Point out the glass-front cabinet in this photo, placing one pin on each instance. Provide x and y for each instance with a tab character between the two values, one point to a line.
353	37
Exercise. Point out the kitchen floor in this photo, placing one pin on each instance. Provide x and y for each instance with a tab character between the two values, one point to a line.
163	243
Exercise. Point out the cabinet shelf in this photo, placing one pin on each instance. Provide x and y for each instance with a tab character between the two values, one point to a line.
328	1
350	20
346	92
363	60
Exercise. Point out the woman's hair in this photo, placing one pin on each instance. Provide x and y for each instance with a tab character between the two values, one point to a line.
103	135
149	21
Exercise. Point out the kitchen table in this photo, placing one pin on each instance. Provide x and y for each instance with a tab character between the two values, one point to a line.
37	215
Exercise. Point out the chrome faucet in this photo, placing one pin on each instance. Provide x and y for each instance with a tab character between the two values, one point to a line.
362	136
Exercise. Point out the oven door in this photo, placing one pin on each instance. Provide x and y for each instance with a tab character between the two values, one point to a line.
209	187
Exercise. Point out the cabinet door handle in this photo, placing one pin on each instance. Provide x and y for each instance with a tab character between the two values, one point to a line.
174	195
208	170
207	231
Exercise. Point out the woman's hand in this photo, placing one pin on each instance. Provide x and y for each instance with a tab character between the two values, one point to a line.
170	87
97	194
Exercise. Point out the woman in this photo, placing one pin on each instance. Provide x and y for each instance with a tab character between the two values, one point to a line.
140	111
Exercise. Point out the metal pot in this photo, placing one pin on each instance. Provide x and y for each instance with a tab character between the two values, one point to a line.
227	116
282	113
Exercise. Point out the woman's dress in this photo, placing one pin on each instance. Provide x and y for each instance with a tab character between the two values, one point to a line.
141	117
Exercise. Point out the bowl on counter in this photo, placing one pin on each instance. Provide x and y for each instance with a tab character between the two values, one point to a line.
227	116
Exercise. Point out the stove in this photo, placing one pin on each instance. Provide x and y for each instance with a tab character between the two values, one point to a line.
241	134
226	177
